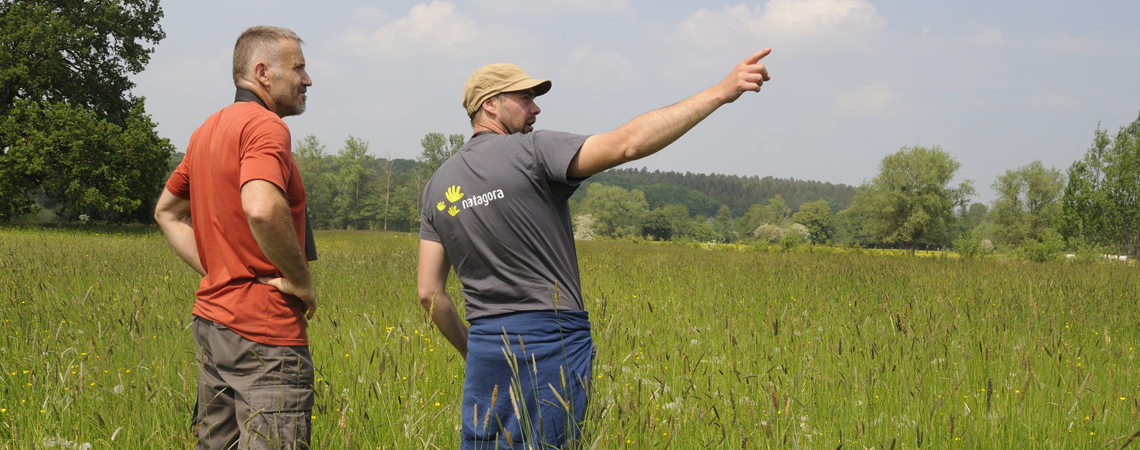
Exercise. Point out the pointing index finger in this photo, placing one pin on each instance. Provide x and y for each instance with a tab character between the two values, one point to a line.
756	57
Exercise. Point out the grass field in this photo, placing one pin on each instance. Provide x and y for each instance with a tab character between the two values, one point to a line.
697	348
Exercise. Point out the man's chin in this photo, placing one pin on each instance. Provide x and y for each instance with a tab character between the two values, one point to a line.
298	109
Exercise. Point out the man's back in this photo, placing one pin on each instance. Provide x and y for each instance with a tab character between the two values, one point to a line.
499	207
240	143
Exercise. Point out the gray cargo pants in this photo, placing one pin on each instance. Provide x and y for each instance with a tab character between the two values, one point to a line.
250	395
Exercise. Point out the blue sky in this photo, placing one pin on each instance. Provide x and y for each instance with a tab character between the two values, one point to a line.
996	84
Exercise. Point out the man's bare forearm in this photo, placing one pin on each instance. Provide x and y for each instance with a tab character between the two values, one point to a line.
446	318
172	213
650	132
277	238
271	223
431	287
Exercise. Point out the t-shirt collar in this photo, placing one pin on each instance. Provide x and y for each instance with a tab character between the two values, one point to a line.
246	95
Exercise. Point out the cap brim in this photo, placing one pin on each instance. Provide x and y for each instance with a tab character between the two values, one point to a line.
540	86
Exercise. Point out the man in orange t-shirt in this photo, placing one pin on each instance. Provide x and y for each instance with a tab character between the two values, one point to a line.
234	210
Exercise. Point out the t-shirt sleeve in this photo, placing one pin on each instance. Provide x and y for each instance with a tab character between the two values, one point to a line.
427	228
265	154
179	182
554	150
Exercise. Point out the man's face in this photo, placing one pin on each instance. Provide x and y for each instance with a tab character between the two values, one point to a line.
517	111
290	81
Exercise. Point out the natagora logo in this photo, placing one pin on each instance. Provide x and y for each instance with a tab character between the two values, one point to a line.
454	194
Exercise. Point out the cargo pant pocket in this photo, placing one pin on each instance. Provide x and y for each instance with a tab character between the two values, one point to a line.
280	418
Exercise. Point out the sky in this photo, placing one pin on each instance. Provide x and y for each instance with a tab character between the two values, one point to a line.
997	85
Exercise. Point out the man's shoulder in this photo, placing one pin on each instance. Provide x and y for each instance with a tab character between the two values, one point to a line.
527	140
244	115
252	113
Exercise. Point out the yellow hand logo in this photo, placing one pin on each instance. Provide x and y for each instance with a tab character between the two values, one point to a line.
440	206
453	194
453	210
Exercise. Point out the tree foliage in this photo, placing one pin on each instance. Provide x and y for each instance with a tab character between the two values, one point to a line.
816	217
436	149
656	225
616	211
353	189
1101	202
911	201
69	127
1028	203
679	220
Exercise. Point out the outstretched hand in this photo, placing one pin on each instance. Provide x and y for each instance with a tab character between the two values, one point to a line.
748	75
306	294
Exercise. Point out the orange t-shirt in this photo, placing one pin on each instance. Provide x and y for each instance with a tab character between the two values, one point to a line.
241	143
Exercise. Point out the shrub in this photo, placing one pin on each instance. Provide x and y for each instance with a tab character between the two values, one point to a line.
969	247
768	233
1048	248
1086	251
791	240
584	228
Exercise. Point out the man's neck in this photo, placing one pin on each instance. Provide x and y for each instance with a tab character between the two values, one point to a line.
477	128
266	99
487	125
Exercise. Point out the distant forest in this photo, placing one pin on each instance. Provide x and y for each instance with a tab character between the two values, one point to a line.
704	194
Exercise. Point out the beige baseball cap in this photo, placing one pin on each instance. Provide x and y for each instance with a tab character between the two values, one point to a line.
493	79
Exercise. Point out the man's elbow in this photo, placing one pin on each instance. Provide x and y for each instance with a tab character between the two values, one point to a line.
260	213
628	153
427	295
164	216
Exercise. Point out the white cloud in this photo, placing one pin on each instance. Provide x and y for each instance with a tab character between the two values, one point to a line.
599	68
843	22
872	99
556	6
436	28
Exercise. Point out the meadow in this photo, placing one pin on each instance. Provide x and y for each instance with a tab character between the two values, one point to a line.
697	348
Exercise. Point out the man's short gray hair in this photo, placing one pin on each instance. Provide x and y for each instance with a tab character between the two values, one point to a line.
260	42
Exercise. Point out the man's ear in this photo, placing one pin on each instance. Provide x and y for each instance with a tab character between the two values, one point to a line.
262	73
491	104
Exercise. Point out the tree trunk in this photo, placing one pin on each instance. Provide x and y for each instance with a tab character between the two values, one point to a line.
387	188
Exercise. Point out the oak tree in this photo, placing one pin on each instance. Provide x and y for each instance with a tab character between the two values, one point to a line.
69	125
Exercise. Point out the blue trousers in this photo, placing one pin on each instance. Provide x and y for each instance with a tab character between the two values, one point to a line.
527	380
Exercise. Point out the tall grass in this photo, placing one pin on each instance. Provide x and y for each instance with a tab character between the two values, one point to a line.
697	349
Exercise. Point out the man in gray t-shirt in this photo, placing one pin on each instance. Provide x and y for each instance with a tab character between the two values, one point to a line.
497	211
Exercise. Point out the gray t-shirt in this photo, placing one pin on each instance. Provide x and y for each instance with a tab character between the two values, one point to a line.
499	208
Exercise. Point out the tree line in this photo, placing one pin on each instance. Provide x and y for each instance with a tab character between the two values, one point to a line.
1040	213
